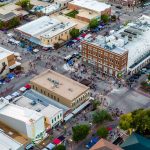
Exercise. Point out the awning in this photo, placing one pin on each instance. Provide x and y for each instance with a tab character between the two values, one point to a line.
56	141
27	86
68	117
81	107
15	65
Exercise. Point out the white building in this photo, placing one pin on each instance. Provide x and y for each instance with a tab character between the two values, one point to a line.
53	115
27	122
92	5
46	31
7	143
7	61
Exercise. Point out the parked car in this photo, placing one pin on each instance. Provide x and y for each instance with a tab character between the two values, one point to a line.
119	7
92	142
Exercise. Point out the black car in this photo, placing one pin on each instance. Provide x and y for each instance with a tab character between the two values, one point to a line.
119	7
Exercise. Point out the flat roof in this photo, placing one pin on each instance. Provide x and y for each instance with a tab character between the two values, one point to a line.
4	53
8	8
58	29
80	24
50	9
133	38
91	5
51	111
87	14
39	3
7	143
41	100
38	26
59	84
19	113
46	110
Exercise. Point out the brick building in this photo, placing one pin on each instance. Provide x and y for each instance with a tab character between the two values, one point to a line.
105	60
124	51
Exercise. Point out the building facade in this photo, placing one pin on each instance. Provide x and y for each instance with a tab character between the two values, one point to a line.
46	31
7	61
105	61
53	115
60	88
28	123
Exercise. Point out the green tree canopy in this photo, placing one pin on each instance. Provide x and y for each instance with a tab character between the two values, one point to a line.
93	23
102	132
60	147
126	121
80	132
105	18
139	120
1	24
25	4
14	22
74	33
100	116
95	104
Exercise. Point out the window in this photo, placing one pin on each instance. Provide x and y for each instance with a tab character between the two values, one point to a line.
55	118
52	96
58	99
41	91
58	116
52	120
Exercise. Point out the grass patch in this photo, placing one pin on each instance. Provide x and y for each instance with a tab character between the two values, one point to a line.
72	13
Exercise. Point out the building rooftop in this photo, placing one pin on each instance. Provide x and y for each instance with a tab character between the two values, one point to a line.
137	142
58	29
59	84
4	53
63	18
103	144
26	102
50	111
92	5
39	3
20	113
38	26
7	143
10	11
133	38
46	9
41	101
88	14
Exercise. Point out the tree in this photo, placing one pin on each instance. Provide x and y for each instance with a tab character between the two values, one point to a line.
74	33
60	147
139	120
80	132
14	22
102	132
56	45
149	77
25	4
95	104
100	116
105	18
126	121
113	17
93	23
1	24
